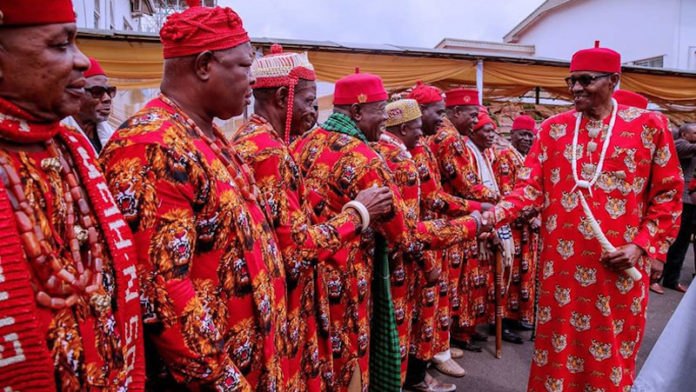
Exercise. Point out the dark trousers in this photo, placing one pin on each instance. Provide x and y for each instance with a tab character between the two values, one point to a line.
415	372
677	252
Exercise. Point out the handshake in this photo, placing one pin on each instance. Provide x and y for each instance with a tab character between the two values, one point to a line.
485	220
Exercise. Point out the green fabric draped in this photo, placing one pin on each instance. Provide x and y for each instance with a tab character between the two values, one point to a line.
385	355
339	122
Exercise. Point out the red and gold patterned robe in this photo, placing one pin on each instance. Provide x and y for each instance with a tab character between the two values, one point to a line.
519	299
471	292
336	166
430	333
211	273
90	345
591	320
302	245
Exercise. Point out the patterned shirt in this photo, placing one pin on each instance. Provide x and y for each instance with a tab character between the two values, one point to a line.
211	273
302	243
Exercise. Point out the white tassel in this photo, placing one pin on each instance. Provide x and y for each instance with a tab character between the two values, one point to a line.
603	240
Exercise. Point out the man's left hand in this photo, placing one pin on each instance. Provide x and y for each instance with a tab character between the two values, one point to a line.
623	258
656	268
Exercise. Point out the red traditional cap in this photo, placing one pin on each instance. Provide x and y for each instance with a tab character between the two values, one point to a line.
596	59
281	68
483	119
94	68
524	123
359	88
425	94
461	96
198	29
35	12
629	98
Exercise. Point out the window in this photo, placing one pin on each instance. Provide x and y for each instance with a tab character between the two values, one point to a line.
97	13
653	62
112	23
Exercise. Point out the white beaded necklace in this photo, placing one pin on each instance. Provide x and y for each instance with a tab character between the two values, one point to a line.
583	183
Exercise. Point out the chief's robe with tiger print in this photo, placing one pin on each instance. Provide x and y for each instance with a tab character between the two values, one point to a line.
303	244
336	167
404	274
590	319
211	274
430	333
518	301
472	292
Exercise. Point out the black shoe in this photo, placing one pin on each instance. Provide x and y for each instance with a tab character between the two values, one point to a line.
511	337
522	326
479	337
467	345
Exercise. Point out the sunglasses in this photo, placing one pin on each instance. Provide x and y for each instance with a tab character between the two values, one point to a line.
99	91
585	80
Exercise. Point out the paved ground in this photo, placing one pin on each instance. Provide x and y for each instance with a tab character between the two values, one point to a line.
509	374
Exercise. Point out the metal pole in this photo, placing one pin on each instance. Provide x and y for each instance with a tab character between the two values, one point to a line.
479	80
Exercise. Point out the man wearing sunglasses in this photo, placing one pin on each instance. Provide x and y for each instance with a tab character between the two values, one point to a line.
95	107
607	181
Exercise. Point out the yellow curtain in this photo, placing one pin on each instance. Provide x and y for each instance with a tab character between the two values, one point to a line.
396	71
129	64
523	75
661	89
136	64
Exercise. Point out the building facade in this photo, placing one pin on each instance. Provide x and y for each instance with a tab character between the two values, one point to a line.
651	33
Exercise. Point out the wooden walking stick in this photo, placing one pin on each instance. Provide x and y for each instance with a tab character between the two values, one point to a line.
498	304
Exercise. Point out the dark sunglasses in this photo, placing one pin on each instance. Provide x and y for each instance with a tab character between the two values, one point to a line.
585	80
99	91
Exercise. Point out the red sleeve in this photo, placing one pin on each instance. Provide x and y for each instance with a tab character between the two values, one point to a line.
660	224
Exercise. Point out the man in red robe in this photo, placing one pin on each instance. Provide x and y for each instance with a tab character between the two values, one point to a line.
69	309
520	279
435	202
285	94
607	181
408	281
212	277
337	162
469	292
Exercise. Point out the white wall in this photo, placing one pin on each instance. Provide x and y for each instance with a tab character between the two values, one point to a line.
636	29
686	47
115	10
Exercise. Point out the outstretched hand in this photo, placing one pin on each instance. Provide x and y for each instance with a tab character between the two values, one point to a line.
377	200
623	258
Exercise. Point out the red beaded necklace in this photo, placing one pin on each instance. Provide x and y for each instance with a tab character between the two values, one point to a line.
223	150
64	283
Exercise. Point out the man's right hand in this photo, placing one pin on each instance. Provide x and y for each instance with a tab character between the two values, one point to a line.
377	200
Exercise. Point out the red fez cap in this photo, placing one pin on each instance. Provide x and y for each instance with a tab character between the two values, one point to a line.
94	68
425	94
35	12
198	29
629	98
461	96
596	59
359	88
483	119
525	123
